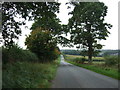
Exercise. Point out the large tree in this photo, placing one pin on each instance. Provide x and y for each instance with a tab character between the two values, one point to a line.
53	25
43	44
24	11
49	23
87	25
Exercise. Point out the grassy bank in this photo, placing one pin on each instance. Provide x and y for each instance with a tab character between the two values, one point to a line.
99	68
29	74
23	69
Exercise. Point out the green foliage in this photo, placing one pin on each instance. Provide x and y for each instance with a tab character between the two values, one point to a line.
52	24
71	52
49	23
79	60
25	11
4	55
87	26
43	44
110	52
17	54
28	75
111	60
84	53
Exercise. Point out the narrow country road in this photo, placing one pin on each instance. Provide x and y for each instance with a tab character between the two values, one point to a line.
71	76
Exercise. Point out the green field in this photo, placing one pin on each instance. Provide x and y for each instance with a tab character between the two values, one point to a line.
99	67
75	56
72	57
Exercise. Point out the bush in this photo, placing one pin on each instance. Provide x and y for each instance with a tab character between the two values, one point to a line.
111	60
17	54
29	56
79	60
83	60
4	55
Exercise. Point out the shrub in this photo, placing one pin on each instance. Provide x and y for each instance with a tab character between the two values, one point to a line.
30	56
83	60
4	55
17	54
111	60
119	63
79	60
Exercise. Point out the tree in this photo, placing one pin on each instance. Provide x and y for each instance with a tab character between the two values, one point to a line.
26	11
41	42
87	25
53	25
49	23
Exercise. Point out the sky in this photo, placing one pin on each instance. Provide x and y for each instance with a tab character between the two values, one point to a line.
112	18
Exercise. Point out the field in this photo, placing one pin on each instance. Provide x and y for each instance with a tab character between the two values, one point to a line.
96	60
96	66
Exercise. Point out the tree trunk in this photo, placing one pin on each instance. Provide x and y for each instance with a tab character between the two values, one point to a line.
90	52
90	55
89	41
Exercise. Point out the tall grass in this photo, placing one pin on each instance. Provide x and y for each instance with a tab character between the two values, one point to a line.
29	74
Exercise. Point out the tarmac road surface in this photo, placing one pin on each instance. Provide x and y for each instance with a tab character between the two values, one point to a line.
71	76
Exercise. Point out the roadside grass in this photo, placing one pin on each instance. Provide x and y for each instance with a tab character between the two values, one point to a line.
98	67
29	74
105	71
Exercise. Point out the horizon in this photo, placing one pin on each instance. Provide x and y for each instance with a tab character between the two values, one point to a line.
99	49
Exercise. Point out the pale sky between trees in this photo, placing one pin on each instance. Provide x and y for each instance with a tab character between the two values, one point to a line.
112	18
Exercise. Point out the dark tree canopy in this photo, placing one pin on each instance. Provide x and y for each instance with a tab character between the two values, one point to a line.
23	10
49	23
53	25
43	44
87	25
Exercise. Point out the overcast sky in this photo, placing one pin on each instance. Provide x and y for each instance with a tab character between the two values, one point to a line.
112	18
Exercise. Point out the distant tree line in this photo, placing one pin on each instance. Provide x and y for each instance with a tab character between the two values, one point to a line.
100	54
109	52
70	52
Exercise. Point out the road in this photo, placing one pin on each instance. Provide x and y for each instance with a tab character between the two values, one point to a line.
71	76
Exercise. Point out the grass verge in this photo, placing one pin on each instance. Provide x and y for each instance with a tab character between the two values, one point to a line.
108	72
29	74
